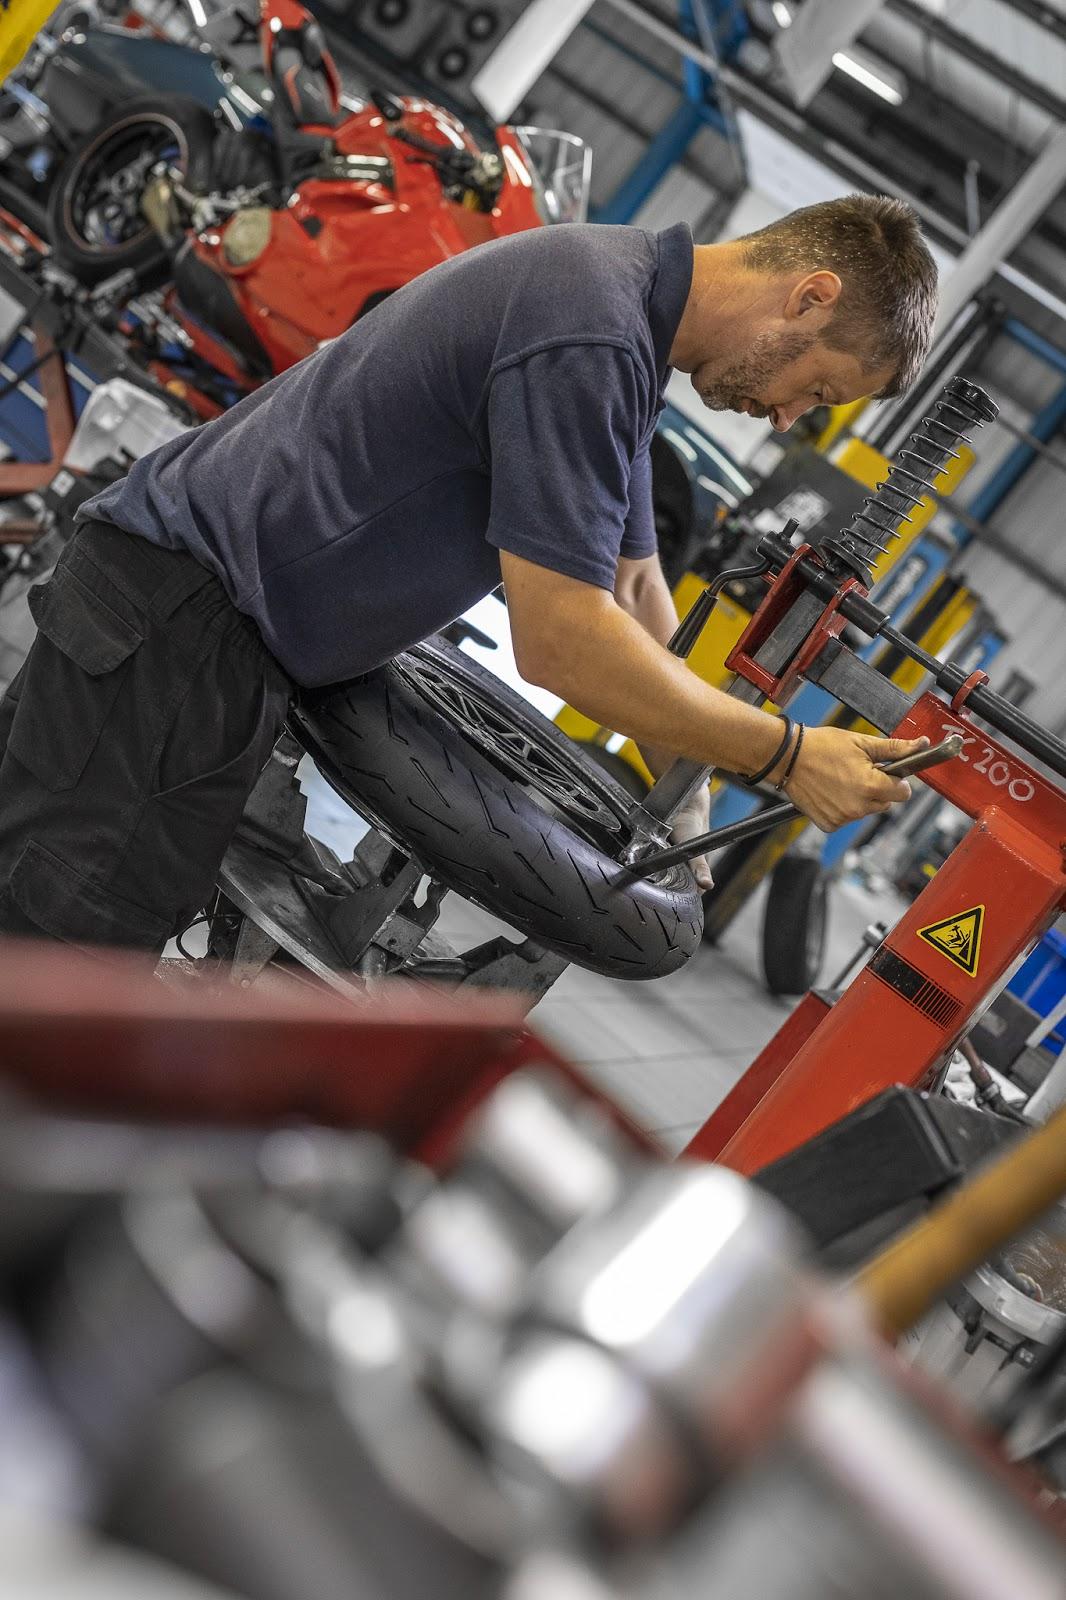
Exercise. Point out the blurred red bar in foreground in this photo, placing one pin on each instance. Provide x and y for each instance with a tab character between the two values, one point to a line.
100	1033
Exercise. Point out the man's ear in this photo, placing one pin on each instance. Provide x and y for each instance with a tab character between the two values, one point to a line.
817	292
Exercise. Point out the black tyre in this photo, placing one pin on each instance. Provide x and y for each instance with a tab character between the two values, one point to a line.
95	219
795	925
675	512
499	805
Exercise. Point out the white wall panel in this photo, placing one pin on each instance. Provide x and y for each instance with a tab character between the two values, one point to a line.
680	197
615	148
653	50
506	77
1035	624
1034	514
717	161
641	94
618	100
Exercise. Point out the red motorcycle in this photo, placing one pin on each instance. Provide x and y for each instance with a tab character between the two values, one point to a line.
279	241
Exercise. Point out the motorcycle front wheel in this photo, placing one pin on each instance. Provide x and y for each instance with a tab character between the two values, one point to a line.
96	223
491	799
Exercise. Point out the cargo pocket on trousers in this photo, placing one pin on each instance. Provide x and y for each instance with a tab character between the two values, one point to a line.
65	904
74	673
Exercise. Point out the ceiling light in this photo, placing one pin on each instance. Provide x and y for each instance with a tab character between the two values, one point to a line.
782	15
879	79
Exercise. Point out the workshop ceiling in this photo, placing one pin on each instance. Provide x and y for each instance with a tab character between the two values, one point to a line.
960	49
983	85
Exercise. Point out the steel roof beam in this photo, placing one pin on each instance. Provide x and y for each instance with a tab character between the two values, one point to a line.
996	68
834	153
1008	225
1045	16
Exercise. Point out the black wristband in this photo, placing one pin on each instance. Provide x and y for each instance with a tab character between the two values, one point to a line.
763	772
793	758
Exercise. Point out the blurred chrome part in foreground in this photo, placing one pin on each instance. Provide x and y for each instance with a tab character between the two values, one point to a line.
386	1302
603	1376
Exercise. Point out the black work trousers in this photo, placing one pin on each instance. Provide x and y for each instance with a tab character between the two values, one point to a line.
129	743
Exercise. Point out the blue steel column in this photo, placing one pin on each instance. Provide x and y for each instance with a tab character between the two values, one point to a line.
1022	334
664	152
697	110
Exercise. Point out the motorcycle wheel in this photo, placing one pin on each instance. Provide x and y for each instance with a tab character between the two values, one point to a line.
494	801
95	220
795	925
626	777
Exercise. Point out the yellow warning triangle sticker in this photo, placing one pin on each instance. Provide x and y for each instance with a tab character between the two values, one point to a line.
958	938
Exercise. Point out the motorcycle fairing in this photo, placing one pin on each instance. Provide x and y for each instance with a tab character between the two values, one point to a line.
207	296
91	73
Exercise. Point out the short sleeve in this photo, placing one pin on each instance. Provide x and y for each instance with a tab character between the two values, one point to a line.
565	427
640	539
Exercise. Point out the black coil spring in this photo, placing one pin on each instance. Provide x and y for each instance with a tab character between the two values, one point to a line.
961	408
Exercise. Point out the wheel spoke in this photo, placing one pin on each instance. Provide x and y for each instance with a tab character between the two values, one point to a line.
561	780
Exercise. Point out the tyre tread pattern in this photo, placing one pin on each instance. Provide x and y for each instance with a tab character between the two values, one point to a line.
407	767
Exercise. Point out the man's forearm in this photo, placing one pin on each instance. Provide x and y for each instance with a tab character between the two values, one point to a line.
609	667
652	605
574	639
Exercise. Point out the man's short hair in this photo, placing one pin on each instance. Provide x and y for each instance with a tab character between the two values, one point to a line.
888	278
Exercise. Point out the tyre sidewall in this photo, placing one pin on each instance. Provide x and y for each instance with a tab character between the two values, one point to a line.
404	765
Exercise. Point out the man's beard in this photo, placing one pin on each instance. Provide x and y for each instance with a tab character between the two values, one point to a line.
767	358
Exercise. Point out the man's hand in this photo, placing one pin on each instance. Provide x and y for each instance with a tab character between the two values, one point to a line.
689	823
835	780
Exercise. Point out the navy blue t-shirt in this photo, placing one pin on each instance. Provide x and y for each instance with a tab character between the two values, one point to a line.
503	401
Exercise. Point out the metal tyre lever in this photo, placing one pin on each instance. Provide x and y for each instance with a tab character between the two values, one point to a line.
763	821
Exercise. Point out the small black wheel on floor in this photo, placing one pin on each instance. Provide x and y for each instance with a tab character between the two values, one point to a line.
795	925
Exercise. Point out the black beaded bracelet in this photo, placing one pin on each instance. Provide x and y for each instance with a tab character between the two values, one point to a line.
757	777
793	758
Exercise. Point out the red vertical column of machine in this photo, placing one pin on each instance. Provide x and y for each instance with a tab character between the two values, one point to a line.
997	893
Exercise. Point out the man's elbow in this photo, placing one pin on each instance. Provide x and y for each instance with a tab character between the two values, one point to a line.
542	662
555	636
631	581
636	582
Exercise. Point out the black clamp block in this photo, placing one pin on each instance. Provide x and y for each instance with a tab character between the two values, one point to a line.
900	1149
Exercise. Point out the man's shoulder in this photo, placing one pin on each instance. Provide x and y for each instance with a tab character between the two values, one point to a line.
602	253
595	240
469	318
578	282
